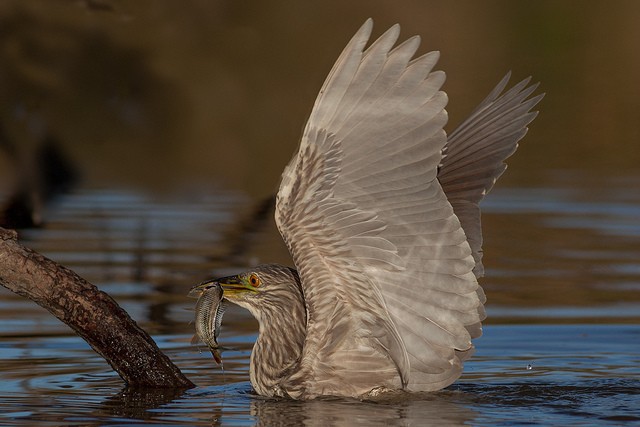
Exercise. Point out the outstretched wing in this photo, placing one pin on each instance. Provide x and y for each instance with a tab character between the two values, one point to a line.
476	151
385	266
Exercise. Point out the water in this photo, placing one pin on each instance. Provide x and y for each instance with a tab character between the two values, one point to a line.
562	375
561	345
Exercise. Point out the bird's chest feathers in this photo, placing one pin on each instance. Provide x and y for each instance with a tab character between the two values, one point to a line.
272	361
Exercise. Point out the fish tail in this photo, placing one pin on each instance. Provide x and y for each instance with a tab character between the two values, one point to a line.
216	355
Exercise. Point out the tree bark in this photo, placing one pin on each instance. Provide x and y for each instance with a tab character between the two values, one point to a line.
91	313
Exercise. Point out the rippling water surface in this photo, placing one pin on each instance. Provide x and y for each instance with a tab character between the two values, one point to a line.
561	345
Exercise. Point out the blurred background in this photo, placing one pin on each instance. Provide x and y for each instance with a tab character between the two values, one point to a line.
170	97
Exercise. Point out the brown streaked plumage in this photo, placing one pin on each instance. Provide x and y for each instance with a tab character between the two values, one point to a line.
379	210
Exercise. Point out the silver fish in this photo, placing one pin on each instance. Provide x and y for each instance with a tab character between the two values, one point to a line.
209	311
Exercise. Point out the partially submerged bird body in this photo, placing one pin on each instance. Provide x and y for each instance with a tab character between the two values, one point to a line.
379	210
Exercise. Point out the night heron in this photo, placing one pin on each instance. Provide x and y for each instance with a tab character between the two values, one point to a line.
379	209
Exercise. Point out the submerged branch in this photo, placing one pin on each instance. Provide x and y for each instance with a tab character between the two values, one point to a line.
91	313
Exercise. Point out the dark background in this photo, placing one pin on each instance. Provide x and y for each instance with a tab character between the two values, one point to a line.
174	97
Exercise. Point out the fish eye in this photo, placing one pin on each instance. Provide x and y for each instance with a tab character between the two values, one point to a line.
254	280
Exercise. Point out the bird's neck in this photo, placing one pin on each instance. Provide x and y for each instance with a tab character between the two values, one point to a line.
277	351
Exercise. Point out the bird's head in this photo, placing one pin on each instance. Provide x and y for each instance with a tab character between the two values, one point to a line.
261	288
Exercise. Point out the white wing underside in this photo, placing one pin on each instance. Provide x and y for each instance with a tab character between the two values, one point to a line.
386	269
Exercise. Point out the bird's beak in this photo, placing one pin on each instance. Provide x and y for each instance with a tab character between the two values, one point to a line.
232	286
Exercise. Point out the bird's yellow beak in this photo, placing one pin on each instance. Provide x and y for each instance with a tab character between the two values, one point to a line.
234	286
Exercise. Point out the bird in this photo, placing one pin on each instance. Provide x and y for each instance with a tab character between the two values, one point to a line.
379	209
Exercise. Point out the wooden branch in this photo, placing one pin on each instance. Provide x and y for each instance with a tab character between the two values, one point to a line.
93	314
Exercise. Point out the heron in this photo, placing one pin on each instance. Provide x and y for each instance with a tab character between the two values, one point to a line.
379	209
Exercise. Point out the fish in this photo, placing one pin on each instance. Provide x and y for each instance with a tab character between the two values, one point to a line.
210	308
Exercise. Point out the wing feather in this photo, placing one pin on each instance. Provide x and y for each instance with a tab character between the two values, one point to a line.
383	260
476	151
340	76
385	264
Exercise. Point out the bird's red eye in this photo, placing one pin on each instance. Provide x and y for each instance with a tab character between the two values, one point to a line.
254	280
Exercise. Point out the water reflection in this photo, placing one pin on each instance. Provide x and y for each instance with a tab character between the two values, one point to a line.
485	403
433	410
220	407
147	252
136	404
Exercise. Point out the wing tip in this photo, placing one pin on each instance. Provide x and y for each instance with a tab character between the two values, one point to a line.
366	28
